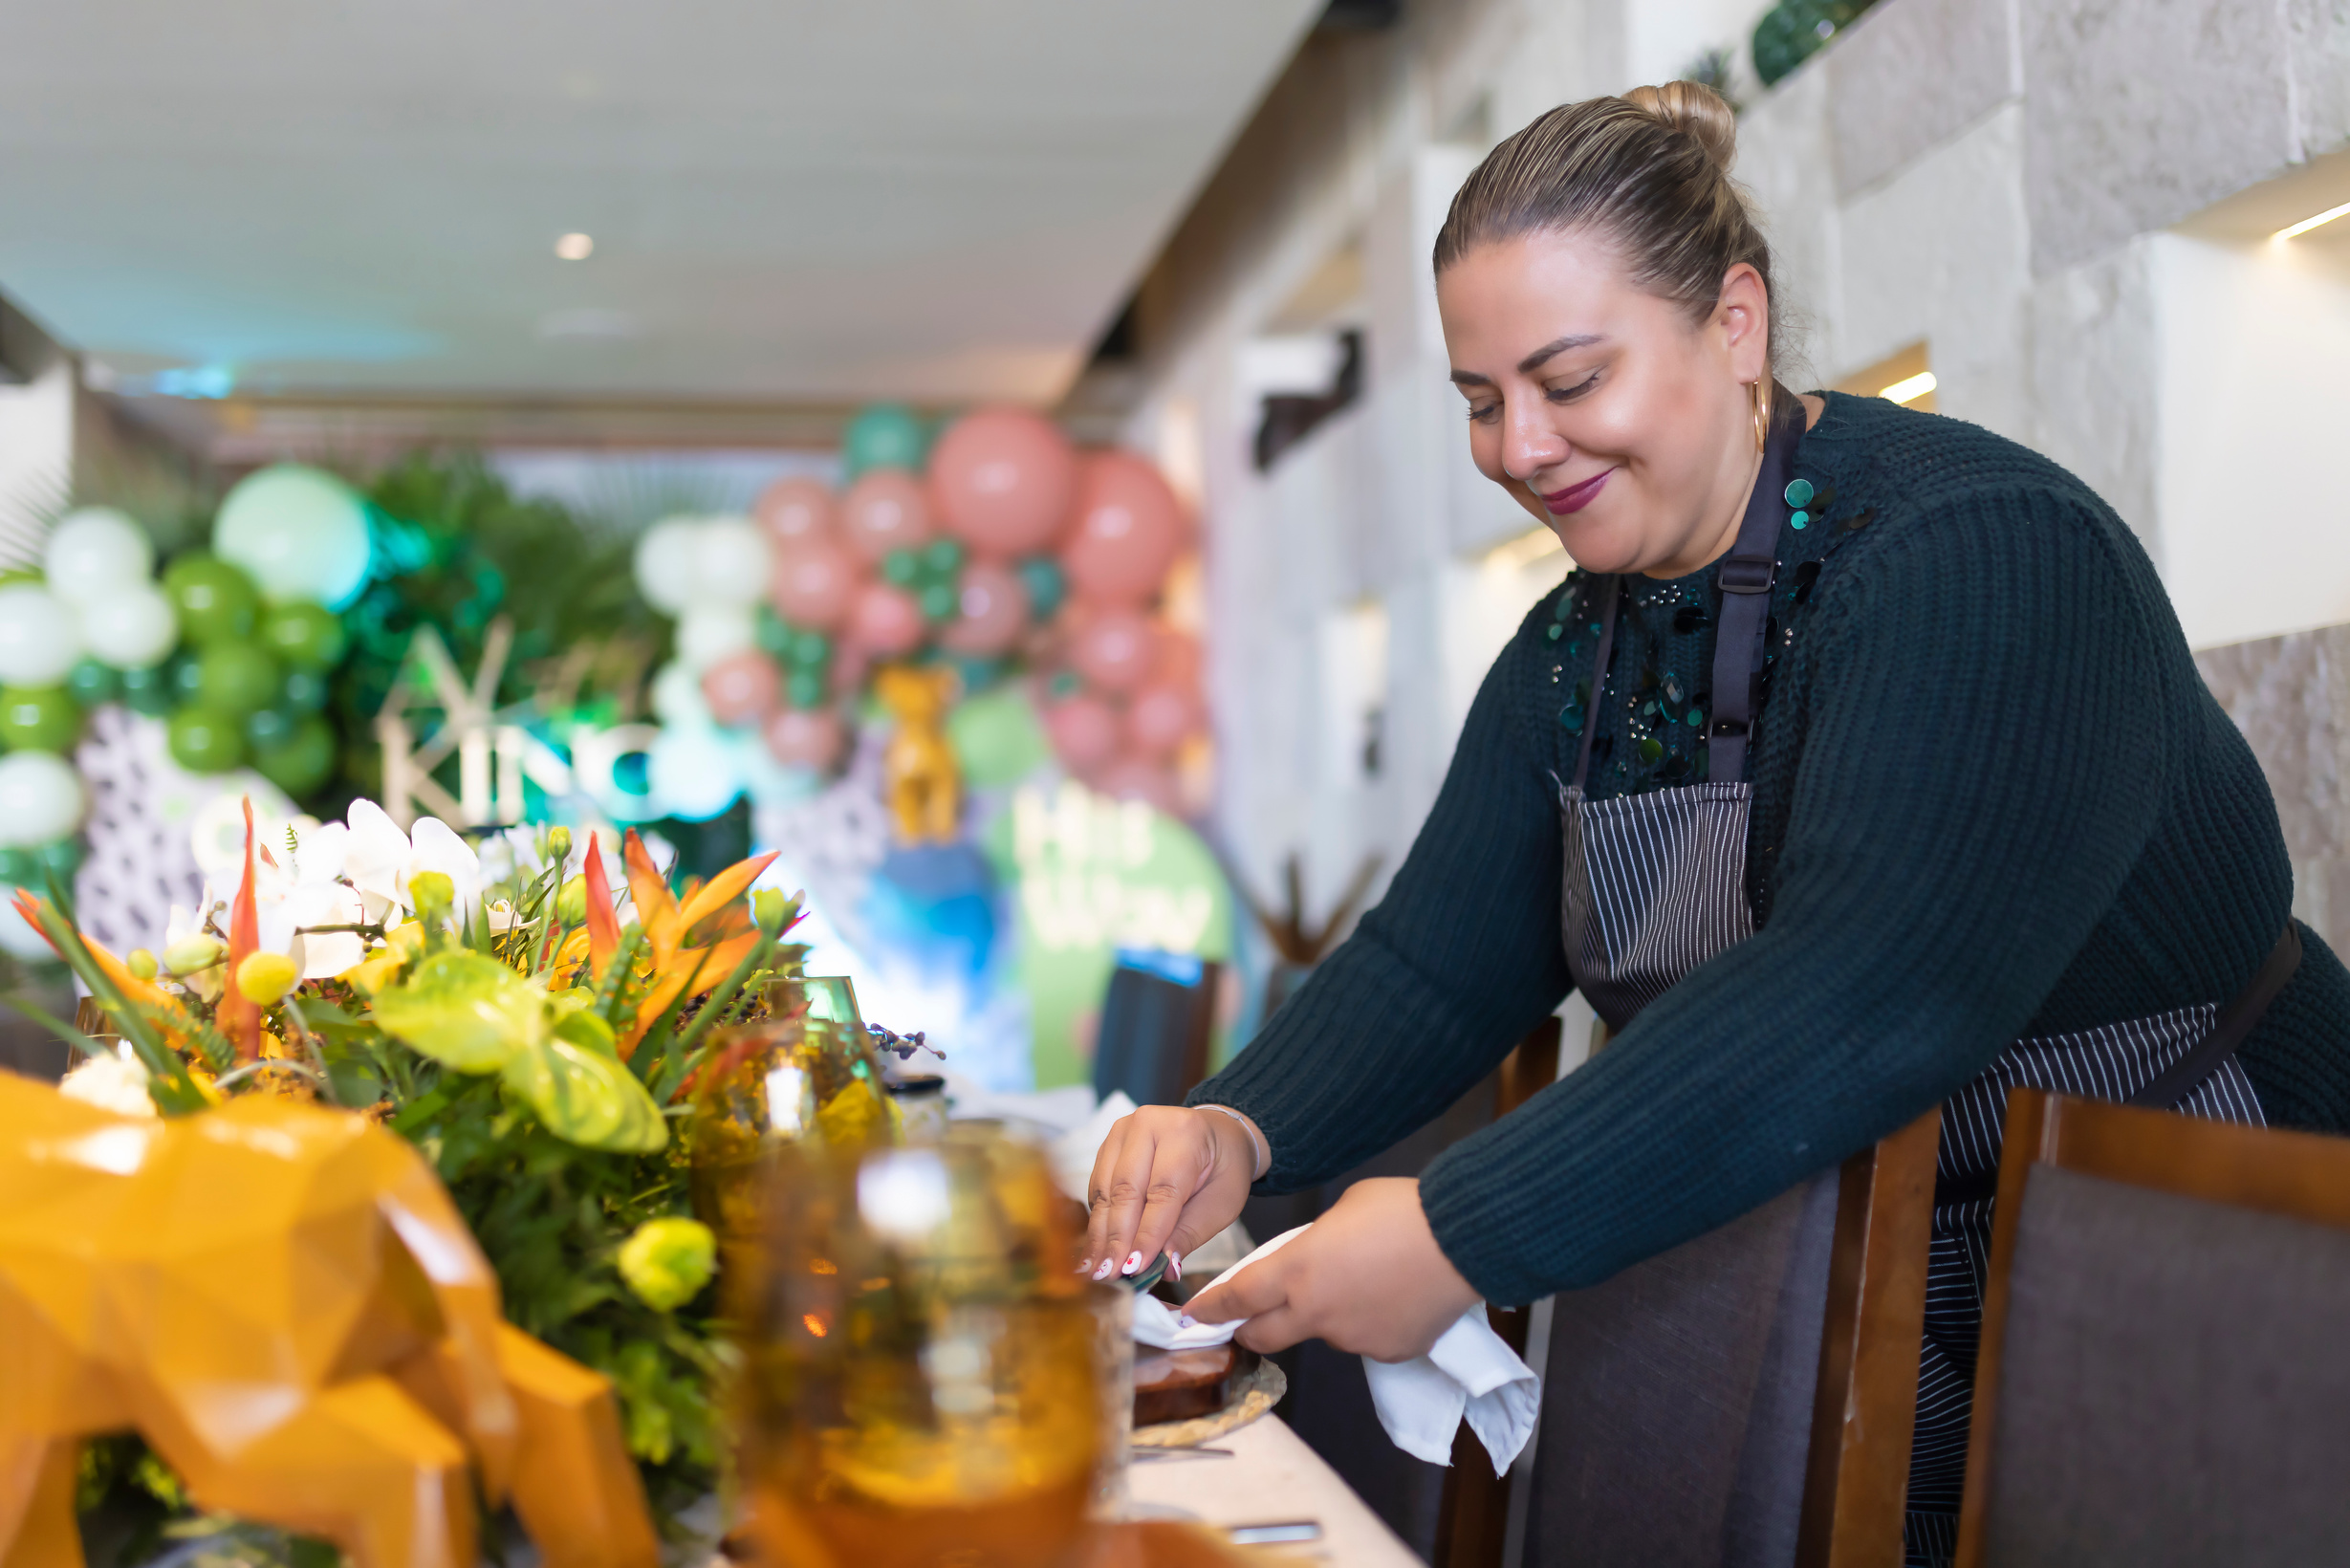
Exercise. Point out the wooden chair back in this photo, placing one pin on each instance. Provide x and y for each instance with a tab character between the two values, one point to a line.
2294	1176
1855	1473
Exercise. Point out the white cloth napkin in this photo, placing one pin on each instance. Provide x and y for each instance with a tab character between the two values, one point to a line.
1469	1371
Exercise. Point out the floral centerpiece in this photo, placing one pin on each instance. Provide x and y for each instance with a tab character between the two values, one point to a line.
533	1035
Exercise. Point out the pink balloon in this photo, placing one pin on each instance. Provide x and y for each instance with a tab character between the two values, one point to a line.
742	688
1159	719
814	583
1083	730
1114	650
1135	778
885	619
805	737
792	509
886	510
1129	530
990	611
1004	479
1180	660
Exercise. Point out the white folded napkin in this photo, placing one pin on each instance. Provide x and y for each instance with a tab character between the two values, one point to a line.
1470	1370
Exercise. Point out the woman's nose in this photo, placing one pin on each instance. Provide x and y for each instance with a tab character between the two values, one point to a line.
1529	445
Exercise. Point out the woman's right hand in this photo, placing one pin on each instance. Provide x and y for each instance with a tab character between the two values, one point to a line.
1169	1178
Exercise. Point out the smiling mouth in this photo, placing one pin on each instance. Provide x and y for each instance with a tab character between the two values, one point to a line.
1576	497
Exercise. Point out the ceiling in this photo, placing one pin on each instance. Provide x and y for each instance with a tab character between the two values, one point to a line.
937	200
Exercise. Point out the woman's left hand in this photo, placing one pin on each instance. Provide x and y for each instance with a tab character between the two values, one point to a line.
1368	1277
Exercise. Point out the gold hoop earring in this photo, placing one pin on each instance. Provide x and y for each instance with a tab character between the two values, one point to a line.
1762	412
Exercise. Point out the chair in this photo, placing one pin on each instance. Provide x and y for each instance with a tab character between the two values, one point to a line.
1157	1019
1746	1397
2164	1376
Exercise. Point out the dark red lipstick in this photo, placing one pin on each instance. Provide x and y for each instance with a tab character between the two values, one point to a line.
1576	497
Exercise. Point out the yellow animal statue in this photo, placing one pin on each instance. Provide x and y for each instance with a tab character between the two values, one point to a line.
283	1301
918	771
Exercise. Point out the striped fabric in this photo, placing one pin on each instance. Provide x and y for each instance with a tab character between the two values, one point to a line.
1655	885
2110	1062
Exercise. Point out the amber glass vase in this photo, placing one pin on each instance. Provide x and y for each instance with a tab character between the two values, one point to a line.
807	1070
919	1391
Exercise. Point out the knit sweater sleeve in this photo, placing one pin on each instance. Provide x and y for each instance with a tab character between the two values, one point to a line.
1981	761
1456	963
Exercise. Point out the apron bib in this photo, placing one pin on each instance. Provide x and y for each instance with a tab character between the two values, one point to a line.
1654	885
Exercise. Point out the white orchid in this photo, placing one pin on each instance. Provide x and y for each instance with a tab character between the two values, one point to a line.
379	859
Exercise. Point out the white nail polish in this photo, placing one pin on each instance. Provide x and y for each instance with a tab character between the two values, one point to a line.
1134	1261
1185	1319
1175	1264
1102	1272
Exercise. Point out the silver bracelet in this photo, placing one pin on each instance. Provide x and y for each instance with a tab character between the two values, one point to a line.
1256	1141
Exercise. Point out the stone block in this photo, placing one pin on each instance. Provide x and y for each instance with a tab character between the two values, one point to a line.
2140	113
1913	74
2096	382
1939	253
1785	165
2317	36
2290	697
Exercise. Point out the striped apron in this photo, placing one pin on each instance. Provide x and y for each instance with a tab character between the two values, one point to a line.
1655	885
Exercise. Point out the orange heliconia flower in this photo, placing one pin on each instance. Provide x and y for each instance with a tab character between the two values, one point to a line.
694	944
238	1016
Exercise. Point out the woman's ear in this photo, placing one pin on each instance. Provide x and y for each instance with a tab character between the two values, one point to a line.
1743	316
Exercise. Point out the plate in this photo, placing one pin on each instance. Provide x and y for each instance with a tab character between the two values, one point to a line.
1254	1392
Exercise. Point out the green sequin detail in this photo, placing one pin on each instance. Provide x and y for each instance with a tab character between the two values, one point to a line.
1556	632
1799	519
1650	748
1799	493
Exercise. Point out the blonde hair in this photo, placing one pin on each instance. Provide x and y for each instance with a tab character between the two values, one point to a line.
1649	171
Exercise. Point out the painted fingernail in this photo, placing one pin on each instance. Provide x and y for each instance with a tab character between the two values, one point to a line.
1134	1261
1175	1264
1084	1264
1183	1320
1102	1272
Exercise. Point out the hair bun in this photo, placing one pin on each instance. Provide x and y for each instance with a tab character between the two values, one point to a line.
1695	108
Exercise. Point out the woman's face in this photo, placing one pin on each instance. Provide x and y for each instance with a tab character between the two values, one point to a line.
1602	408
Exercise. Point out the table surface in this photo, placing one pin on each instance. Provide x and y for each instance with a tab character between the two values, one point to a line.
1271	1477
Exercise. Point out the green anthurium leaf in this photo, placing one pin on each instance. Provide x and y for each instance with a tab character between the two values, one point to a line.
469	1011
586	1097
576	1021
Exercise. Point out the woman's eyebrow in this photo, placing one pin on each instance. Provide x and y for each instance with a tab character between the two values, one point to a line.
1533	362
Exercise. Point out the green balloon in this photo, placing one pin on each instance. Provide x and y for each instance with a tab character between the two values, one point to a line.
302	760
807	688
205	741
217	604
997	738
235	678
901	567
149	690
303	691
938	602
61	858
304	635
943	556
884	435
268	727
94	684
19	867
38	719
184	675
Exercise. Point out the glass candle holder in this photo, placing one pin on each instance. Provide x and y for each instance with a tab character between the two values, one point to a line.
920	1387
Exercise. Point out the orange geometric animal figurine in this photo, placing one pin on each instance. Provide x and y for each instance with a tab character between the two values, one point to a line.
919	775
283	1301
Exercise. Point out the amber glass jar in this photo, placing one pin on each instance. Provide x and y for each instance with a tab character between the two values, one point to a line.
919	1387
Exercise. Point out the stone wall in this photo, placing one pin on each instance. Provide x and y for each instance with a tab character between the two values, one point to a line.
2290	697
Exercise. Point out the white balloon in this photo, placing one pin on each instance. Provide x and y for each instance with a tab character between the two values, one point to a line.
664	562
38	638
730	561
300	533
677	698
706	633
93	551
40	798
131	628
694	772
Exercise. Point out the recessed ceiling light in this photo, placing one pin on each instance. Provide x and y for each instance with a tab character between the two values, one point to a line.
2308	223
1909	388
574	247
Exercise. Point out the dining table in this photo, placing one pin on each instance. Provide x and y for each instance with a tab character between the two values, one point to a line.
1264	1486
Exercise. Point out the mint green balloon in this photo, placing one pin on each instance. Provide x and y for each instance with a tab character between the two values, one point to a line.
884	435
997	738
301	534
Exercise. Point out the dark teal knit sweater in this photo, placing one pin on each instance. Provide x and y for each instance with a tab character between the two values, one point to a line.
1992	799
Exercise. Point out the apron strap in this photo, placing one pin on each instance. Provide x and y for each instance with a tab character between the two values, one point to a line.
1747	575
1599	678
2234	1024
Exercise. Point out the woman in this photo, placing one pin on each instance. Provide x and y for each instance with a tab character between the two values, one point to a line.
1862	766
